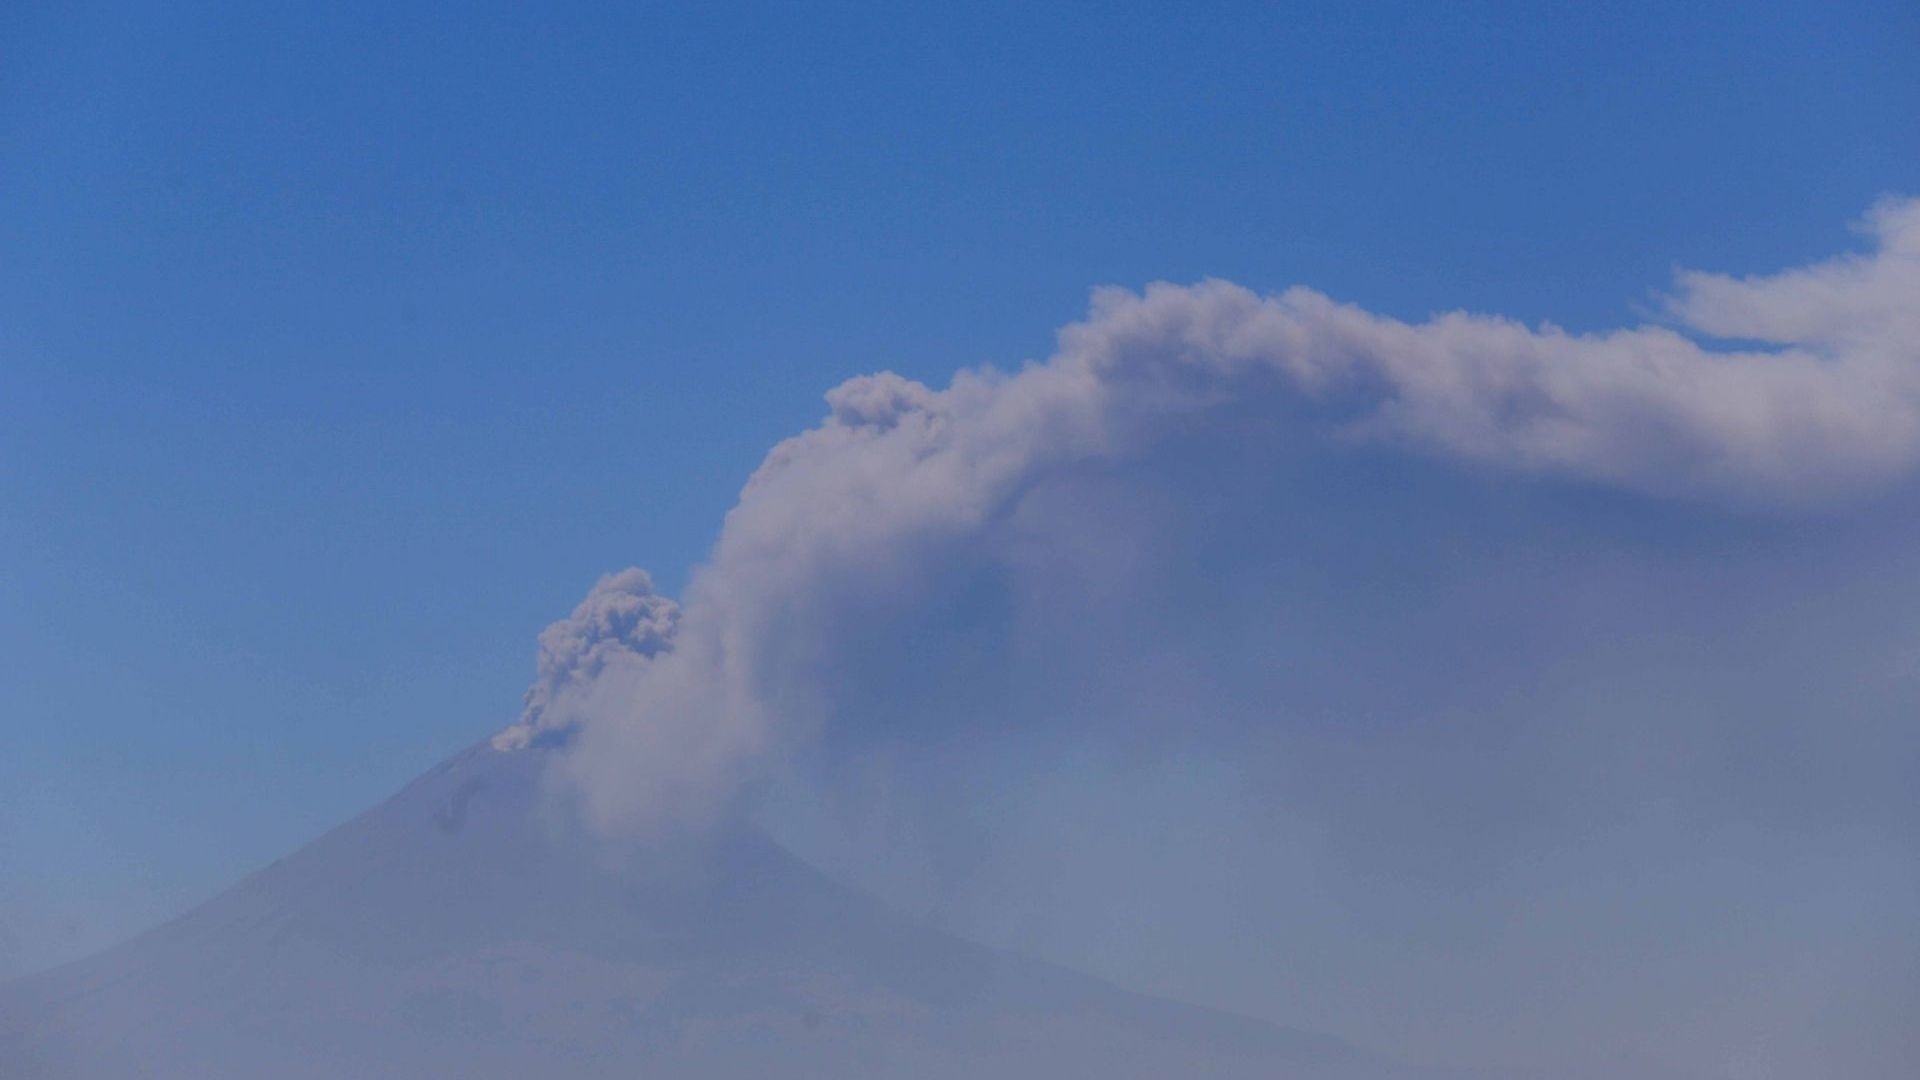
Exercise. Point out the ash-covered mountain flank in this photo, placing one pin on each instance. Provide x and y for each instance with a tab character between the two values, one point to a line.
463	930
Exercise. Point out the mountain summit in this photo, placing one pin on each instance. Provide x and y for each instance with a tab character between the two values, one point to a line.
462	930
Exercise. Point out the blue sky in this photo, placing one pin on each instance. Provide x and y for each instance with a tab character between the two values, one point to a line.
340	351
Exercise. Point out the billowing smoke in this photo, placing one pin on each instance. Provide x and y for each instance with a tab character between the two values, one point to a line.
620	626
1814	398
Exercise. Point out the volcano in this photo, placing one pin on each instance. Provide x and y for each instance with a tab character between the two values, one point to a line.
462	929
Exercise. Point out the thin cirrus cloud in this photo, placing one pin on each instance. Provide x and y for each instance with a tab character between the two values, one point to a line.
1812	398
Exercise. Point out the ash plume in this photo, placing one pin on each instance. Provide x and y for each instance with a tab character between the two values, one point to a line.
621	624
1813	400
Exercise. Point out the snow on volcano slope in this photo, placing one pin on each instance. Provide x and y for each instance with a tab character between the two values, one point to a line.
459	931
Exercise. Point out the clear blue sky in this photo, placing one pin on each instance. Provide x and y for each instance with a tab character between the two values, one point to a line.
341	349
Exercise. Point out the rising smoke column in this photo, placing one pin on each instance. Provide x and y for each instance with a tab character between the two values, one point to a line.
1820	402
620	626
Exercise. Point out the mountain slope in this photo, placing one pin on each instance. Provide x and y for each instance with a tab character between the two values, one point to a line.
459	930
